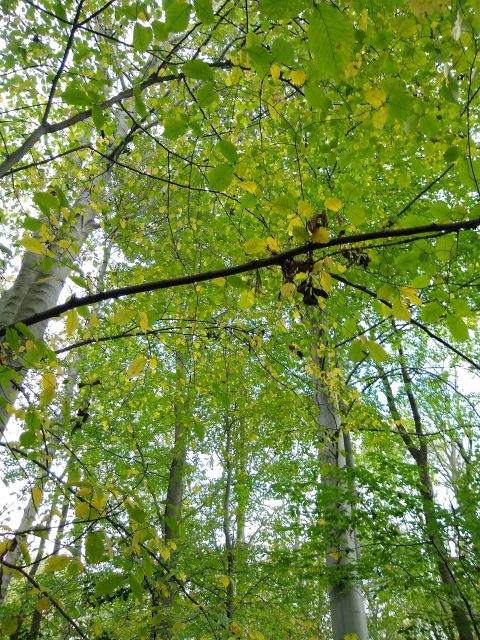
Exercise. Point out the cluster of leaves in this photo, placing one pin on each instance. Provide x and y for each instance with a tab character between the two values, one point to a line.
156	142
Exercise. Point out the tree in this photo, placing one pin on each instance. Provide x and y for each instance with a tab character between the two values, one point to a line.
257	223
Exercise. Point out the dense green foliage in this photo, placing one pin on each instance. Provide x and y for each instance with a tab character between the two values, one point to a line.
167	445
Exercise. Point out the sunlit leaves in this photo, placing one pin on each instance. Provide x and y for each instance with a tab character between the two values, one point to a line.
56	563
48	386
298	76
142	37
331	39
34	245
204	10
333	203
96	547
136	367
220	177
254	246
321	235
247	299
198	70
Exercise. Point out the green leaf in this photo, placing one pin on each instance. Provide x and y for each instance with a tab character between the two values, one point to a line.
98	117
357	351
106	586
175	128
142	37
377	352
282	51
198	70
228	151
204	11
457	328
135	586
432	312
451	154
12	339
95	547
331	38
206	94
76	96
178	15
46	201
27	439
220	177
281	9
31	224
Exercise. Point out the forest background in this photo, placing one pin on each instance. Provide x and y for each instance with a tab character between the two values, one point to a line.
239	319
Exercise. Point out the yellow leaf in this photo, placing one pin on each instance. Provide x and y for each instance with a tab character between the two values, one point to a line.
254	245
246	299
5	545
82	510
86	491
255	342
350	636
56	563
163	550
251	187
143	321
136	367
37	495
273	245
296	228
94	321
275	71
400	310
135	541
123	316
288	290
321	235
72	322
411	294
422	8
99	500
376	97
224	580
363	22
274	110
64	244
333	203
49	384
152	363
220	282
326	281
379	118
335	555
322	522
34	245
43	604
298	77
305	208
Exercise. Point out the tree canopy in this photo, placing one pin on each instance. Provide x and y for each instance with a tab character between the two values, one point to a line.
239	319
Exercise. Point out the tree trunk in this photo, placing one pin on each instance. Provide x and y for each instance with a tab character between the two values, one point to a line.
13	554
229	541
37	289
460	612
346	601
162	601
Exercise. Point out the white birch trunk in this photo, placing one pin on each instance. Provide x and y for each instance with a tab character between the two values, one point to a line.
347	609
36	290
